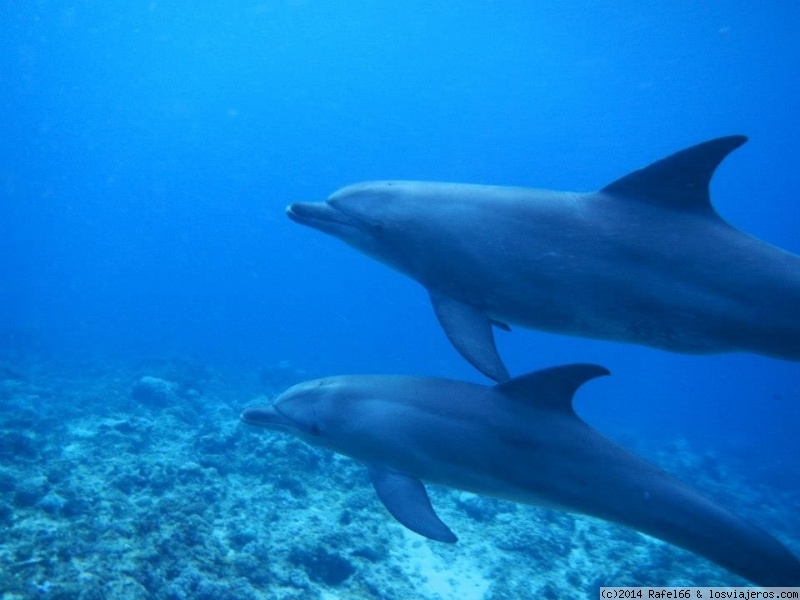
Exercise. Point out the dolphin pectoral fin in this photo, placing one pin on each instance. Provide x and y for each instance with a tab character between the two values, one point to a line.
406	499
470	331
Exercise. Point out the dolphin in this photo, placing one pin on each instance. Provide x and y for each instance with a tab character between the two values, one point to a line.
519	440
645	260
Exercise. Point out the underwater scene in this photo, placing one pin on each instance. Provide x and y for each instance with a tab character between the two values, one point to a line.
443	300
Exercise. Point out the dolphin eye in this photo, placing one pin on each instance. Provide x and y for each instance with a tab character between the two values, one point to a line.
314	429
378	226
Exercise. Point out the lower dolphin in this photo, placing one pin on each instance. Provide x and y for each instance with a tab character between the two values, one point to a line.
519	440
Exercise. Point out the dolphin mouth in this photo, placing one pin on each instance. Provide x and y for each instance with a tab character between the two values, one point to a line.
268	417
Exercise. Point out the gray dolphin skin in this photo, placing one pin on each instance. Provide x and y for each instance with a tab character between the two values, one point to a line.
645	260
521	441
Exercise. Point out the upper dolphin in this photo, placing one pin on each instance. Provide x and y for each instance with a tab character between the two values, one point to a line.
646	259
519	440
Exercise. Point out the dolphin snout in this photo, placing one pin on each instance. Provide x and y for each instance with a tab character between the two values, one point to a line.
265	416
307	212
322	216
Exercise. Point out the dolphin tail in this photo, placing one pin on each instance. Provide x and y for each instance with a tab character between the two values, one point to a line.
691	521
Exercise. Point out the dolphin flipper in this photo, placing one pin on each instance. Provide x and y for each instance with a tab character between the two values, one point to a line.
406	499
470	331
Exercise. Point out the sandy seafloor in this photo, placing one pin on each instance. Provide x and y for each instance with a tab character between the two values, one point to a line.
139	481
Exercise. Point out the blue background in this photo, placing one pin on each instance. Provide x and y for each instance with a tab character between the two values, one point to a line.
148	150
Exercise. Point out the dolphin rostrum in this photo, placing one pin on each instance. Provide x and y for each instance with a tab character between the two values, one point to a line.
519	440
645	260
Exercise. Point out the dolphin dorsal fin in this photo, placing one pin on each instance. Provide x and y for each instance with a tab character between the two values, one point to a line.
552	387
679	181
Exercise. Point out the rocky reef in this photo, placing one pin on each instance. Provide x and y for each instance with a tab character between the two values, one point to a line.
138	481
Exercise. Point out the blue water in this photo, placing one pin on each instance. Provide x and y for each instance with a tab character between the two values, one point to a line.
149	148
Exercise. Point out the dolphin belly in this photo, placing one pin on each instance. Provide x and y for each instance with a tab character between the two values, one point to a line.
748	302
